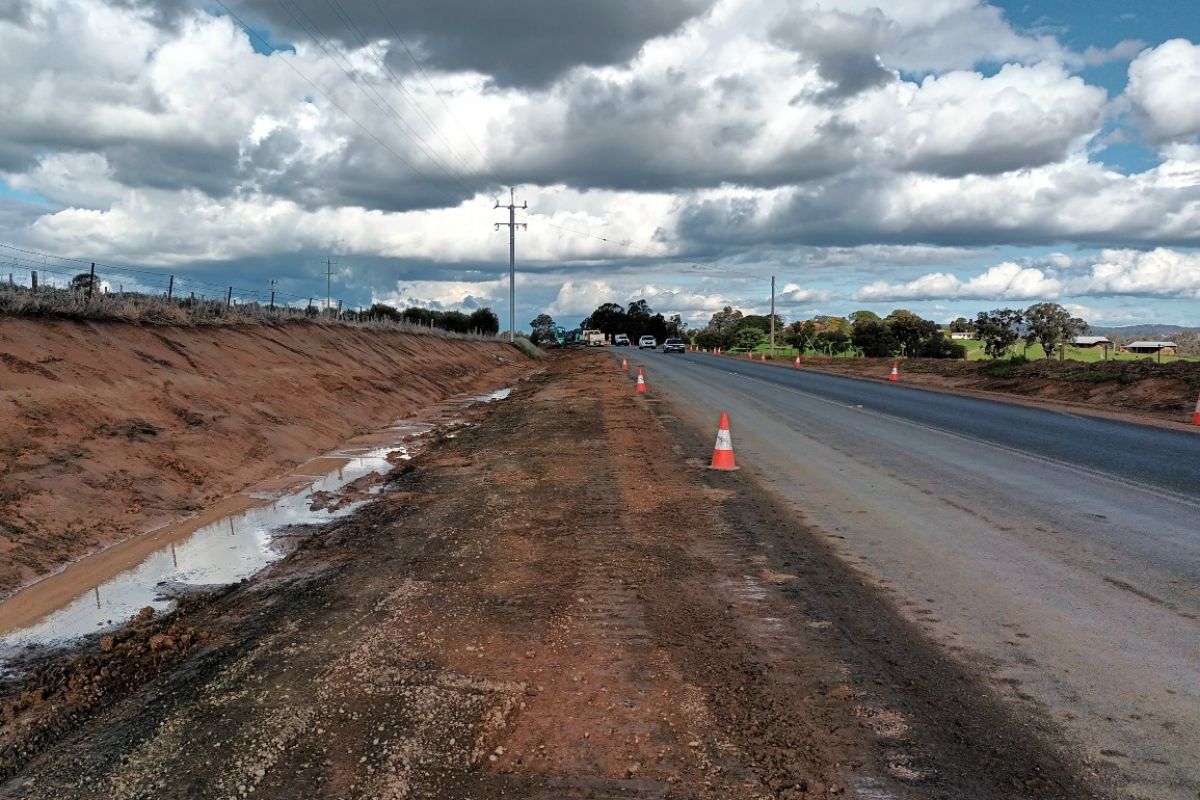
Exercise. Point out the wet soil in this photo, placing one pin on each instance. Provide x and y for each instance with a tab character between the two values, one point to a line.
109	430
560	602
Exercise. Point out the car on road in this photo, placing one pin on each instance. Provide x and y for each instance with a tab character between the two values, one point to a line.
647	341
674	346
621	340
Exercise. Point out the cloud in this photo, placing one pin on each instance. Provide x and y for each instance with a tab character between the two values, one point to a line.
527	44
1154	273
1007	281
1162	91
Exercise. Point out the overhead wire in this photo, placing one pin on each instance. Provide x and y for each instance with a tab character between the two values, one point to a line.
262	40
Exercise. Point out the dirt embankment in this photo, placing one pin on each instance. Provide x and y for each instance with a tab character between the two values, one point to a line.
1143	388
557	603
108	429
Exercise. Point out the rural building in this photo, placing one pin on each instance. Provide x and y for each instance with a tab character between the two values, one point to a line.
966	335
1092	341
1151	348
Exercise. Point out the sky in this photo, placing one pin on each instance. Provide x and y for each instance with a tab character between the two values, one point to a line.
945	156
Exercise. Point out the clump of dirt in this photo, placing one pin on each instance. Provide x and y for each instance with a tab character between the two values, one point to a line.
1163	391
51	696
111	429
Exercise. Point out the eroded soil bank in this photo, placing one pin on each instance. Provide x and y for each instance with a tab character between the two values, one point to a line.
108	430
560	602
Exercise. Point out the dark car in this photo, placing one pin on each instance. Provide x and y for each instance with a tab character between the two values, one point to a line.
674	346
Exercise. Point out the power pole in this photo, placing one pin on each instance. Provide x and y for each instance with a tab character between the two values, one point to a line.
329	265
772	316
273	295
512	258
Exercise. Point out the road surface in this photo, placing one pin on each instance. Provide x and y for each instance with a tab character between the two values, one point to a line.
1059	550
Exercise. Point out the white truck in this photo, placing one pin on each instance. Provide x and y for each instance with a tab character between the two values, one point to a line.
593	338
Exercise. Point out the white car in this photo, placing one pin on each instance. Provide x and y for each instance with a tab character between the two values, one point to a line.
647	341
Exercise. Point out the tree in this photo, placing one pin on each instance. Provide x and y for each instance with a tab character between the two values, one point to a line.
938	346
485	321
962	325
999	330
82	282
541	328
831	342
384	311
749	337
609	318
863	316
726	321
910	330
1052	326
800	335
762	322
874	338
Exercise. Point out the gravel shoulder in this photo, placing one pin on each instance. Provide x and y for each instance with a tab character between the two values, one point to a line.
559	602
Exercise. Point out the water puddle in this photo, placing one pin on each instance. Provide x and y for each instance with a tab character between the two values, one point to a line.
499	394
233	540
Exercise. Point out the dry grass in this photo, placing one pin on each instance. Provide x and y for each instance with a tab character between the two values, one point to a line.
138	309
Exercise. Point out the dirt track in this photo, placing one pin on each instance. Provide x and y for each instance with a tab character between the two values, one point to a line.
561	602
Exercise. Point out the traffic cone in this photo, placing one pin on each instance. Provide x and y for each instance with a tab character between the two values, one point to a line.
723	450
762	357
797	362
641	384
1196	416
895	376
625	363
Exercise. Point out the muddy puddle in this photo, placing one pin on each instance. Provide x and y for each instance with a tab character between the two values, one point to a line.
229	542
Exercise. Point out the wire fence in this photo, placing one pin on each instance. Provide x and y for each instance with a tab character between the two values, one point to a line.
40	284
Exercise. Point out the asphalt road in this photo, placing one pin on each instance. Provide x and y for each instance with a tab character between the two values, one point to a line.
1059	552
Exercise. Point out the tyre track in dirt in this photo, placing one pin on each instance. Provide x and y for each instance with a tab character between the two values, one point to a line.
558	603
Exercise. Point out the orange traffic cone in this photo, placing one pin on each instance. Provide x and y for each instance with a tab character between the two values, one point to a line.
641	384
625	363
895	376
1196	416
762	357
723	450
797	362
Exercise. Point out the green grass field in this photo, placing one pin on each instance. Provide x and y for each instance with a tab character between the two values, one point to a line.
975	353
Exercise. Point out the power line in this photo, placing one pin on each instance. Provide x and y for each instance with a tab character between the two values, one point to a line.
372	94
450	111
258	37
405	94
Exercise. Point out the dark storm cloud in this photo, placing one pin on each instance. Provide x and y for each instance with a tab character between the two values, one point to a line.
14	11
856	210
843	46
525	43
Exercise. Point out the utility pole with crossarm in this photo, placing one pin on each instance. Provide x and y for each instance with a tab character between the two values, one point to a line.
512	258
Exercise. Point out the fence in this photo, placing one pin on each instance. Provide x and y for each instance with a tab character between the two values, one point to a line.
39	284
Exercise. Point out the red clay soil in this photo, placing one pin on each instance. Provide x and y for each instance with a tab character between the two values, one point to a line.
557	603
1165	392
110	429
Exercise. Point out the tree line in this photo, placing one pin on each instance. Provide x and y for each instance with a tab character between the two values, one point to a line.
902	333
636	320
482	321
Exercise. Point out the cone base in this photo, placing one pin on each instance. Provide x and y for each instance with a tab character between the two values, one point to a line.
723	469
1196	418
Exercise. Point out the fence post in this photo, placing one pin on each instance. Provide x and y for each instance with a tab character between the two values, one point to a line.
272	299
91	280
33	280
171	287
229	297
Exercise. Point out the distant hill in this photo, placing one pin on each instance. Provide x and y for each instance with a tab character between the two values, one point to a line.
1153	332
